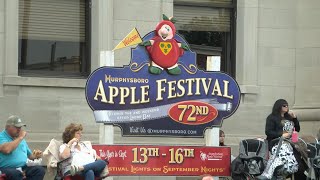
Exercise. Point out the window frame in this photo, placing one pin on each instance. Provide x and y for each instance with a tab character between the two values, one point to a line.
229	40
85	67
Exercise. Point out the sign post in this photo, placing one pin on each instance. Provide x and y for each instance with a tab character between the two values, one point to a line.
212	139
212	135
106	132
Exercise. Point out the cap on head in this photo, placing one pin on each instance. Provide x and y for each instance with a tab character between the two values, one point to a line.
163	22
15	121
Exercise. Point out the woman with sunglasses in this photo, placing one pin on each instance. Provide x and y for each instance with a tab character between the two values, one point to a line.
281	123
279	120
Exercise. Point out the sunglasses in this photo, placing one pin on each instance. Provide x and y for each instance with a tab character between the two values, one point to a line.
285	105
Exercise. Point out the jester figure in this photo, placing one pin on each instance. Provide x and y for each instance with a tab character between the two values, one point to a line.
164	50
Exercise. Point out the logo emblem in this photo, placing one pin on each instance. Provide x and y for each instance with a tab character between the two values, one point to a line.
165	47
193	112
203	156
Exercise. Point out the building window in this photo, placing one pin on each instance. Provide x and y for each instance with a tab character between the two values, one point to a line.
209	28
54	38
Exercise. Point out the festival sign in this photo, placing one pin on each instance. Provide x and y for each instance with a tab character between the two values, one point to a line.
161	92
139	160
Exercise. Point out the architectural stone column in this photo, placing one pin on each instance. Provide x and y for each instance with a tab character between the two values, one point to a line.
246	51
101	54
11	29
2	45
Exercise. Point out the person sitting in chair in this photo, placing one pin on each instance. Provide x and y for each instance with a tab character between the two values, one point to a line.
14	153
280	124
85	161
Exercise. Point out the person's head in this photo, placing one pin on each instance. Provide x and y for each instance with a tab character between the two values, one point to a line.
72	131
221	138
206	177
14	125
280	107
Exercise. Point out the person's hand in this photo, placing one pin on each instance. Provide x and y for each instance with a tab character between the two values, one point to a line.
74	140
98	157
286	135
185	47
37	153
291	113
22	134
145	43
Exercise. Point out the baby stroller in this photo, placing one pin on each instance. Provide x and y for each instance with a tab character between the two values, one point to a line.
253	155
314	161
300	153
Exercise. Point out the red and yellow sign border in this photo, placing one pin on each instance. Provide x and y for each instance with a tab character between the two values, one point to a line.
149	160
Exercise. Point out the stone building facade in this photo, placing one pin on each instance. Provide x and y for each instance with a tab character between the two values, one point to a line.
275	44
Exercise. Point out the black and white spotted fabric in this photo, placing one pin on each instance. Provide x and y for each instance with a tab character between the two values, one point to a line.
285	157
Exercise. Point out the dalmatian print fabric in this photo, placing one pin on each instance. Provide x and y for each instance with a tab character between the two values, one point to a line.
285	157
287	126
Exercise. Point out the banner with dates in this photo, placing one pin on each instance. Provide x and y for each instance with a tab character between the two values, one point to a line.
144	99
139	160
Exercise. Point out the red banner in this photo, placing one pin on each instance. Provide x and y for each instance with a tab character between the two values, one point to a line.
140	160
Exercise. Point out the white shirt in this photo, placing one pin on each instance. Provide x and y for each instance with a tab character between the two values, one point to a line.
80	157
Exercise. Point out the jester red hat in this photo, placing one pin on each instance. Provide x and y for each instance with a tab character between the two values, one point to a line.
167	21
